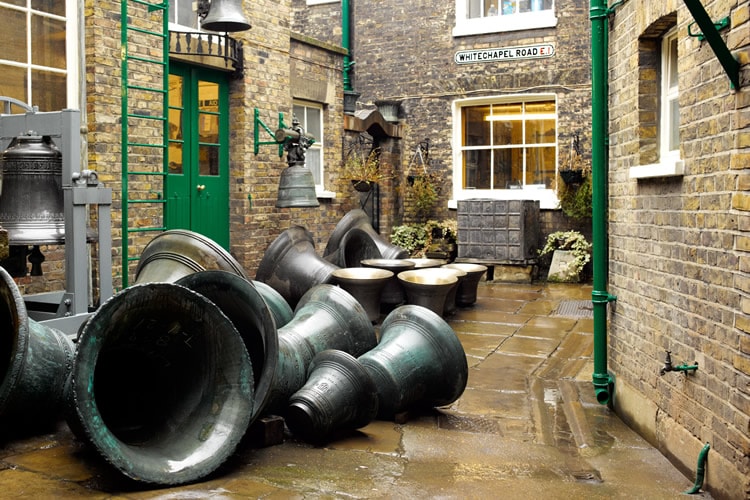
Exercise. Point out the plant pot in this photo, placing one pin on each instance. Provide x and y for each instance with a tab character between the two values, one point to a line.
362	186
572	176
350	101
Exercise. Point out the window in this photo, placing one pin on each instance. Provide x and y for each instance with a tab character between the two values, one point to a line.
506	148
182	13
669	123
39	62
310	118
475	17
658	95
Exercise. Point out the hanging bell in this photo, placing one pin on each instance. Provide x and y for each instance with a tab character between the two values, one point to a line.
225	16
31	204
296	188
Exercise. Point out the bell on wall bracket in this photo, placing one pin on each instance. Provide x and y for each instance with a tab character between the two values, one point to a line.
222	16
296	185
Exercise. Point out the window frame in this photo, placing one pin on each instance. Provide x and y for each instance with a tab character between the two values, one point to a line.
318	145
72	57
547	197
496	24
670	163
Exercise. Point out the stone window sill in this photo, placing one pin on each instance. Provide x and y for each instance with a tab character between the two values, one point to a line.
675	168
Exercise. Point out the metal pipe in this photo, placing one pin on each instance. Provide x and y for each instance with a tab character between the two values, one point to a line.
599	122
346	43
700	471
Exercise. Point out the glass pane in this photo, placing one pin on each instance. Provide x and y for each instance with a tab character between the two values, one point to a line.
540	131
502	174
209	128
509	7
48	42
56	7
18	3
505	133
13	84
491	7
208	159
674	125
175	125
175	158
13	36
208	96
540	166
540	107
477	169
673	63
175	91
313	123
473	9
49	90
476	126
312	161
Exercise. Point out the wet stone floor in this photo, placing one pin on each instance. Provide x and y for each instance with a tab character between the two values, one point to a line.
527	426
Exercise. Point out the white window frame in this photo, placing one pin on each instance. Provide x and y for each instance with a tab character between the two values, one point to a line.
72	60
547	197
318	146
466	26
670	164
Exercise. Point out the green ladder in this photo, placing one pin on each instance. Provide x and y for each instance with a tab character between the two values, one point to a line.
145	85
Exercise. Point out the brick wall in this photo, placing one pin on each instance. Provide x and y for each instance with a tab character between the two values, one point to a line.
405	52
678	245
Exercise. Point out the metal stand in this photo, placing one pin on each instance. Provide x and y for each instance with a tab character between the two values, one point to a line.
67	310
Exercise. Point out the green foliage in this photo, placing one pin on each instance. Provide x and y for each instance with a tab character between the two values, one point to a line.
424	195
361	167
572	241
575	200
417	238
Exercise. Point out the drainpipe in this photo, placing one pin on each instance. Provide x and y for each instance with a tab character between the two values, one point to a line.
603	382
345	43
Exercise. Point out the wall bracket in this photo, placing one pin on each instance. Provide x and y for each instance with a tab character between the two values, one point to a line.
257	143
711	34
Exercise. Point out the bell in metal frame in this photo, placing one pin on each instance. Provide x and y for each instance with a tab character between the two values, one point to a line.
296	185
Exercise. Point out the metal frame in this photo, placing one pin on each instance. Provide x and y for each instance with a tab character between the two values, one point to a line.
78	192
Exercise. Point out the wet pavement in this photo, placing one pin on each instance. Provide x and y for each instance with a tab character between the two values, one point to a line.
527	426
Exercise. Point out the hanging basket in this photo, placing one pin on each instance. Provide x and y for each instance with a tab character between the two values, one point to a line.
572	176
361	185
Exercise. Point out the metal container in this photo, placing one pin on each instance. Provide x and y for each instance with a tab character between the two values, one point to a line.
364	284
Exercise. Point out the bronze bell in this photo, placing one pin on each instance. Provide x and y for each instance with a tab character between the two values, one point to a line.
291	267
161	384
357	218
428	287
327	317
31	203
176	253
225	16
296	188
36	360
419	362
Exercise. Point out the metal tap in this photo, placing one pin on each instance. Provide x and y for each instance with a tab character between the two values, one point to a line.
668	367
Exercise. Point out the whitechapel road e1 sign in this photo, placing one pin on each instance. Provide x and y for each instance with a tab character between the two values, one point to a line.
504	54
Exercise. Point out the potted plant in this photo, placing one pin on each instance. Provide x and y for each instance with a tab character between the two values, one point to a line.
574	168
574	192
432	237
363	169
570	253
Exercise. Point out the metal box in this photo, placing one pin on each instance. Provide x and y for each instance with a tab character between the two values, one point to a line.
498	230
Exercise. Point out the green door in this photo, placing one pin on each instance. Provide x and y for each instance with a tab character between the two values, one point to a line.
197	185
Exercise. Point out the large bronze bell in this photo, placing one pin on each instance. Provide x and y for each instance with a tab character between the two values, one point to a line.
393	293
419	362
246	308
339	395
336	250
161	385
34	362
178	252
466	295
364	284
296	188
326	317
280	309
225	16
31	203
428	287
291	267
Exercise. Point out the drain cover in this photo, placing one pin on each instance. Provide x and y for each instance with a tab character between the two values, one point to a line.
476	425
576	309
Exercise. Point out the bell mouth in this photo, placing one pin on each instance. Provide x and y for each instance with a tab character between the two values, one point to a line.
361	273
431	276
425	263
466	267
402	264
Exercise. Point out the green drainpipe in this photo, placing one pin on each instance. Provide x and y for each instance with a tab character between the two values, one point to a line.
599	122
345	43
